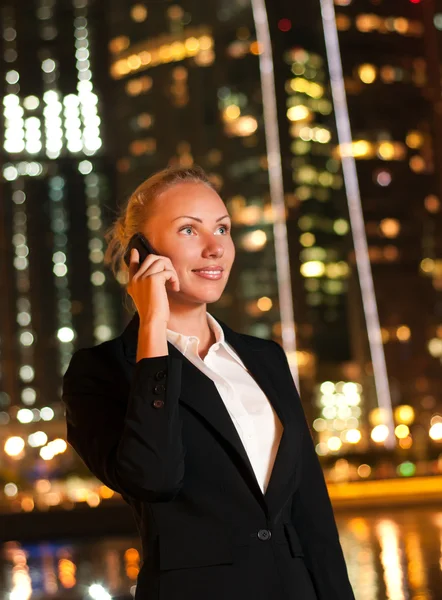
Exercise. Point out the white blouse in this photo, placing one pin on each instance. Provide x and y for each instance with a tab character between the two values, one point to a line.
257	423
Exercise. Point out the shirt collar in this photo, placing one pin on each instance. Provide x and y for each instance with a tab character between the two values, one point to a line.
181	341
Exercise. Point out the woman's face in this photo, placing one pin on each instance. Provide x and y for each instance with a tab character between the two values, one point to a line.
193	243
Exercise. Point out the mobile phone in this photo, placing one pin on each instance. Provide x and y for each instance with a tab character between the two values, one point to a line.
140	243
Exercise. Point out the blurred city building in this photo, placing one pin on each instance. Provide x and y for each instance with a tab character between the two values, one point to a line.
99	95
56	192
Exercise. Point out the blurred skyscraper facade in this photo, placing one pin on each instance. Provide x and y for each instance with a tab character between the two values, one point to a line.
99	95
56	188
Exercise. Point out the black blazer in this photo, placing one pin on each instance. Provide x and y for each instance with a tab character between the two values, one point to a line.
158	432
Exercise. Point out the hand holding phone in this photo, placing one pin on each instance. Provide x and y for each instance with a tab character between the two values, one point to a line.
149	273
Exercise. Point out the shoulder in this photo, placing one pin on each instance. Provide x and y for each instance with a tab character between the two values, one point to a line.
98	362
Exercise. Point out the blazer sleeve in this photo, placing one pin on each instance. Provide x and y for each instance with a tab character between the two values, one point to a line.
132	444
313	518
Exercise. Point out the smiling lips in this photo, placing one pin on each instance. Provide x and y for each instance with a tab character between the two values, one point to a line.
213	274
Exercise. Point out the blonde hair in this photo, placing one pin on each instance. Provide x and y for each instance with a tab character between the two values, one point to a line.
140	206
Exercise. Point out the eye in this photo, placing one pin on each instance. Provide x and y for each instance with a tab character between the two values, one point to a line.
226	227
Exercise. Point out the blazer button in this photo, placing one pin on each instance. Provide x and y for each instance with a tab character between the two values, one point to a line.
160	375
264	534
159	388
158	403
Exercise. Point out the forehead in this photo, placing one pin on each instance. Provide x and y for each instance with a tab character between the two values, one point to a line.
195	199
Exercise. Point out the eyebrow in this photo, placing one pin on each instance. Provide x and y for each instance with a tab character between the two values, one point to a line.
199	220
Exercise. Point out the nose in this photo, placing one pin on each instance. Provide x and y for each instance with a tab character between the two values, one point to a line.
214	248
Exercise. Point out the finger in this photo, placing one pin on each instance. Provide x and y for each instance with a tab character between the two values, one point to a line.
149	262
172	278
134	259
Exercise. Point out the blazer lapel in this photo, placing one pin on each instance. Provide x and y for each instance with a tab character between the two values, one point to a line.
200	394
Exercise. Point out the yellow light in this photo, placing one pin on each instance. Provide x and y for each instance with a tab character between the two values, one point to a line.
404	414
255	48
427	265
353	436
192	45
401	25
390	227
406	443
315	90
364	470
358	149
403	333
118	44
367	73
414	139
402	431
361	148
307	239
436	432
432	203
242	127
232	112
323	136
254	240
206	42
138	13
377	416
145	57
386	150
334	443
417	164
165	53
313	268
341	226
435	347
93	499
14	446
264	304
120	68
379	433
298	113
133	62
105	492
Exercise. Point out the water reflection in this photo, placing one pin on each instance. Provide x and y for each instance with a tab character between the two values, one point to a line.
394	555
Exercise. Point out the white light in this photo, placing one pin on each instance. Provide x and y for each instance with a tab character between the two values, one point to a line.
65	334
10	173
50	96
37	439
97	592
48	65
436	432
15	146
28	396
85	167
46	453
60	270
12	77
31	102
103	333
47	414
11	490
379	433
25	415
58	446
14	446
26	373
11	100
33	147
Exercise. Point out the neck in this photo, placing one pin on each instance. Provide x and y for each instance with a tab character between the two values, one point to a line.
190	321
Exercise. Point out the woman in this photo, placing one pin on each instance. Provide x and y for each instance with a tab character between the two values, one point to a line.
198	427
